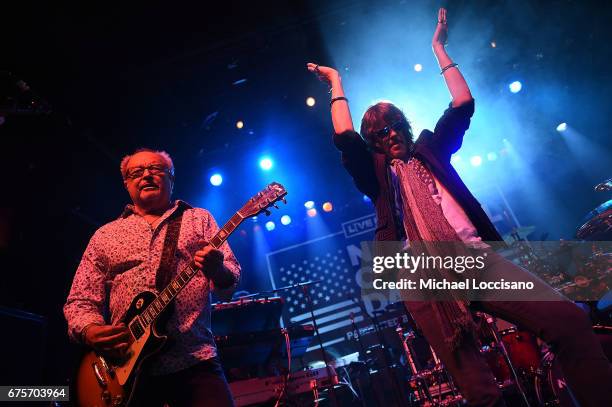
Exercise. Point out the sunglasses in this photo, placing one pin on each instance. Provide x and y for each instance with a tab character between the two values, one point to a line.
384	132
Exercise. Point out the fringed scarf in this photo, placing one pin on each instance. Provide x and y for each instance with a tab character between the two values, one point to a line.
426	226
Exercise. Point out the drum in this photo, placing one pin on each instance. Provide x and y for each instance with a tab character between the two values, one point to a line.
523	350
496	361
550	385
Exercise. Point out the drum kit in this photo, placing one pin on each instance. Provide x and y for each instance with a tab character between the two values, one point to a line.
523	366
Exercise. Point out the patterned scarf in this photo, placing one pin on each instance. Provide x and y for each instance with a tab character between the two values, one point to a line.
426	226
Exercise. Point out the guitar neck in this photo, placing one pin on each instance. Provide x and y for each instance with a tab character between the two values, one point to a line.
183	278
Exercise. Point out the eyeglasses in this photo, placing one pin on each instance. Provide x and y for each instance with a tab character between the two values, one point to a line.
154	169
384	132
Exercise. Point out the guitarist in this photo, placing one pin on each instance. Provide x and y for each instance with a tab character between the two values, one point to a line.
125	256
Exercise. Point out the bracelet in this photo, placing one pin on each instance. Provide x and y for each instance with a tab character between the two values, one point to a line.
449	66
331	102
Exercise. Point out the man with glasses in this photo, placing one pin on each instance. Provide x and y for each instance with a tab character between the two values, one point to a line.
419	197
126	257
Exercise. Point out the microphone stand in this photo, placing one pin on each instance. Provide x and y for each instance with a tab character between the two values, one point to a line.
381	339
332	392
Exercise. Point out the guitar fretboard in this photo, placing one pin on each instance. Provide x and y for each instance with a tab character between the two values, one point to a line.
183	278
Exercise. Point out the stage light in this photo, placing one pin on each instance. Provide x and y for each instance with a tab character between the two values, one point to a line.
476	160
239	124
309	204
562	127
285	220
216	180
493	44
327	207
266	163
312	212
515	87
455	159
492	156
270	225
418	67
310	101
366	198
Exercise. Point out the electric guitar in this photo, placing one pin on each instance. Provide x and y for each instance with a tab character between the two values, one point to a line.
103	382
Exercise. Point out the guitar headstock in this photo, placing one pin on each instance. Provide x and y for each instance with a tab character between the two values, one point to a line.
262	201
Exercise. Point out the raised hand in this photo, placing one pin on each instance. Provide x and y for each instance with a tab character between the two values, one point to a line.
440	36
324	73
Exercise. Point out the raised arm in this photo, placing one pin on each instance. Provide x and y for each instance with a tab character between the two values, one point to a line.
356	157
459	90
340	112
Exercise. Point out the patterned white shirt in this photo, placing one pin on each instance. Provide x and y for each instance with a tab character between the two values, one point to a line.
121	261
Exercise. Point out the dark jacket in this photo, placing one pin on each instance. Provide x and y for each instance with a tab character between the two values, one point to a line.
369	171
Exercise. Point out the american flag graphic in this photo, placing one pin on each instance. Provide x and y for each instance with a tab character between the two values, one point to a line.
332	260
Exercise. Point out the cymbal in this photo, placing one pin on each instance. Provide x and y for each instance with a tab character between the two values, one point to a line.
597	223
604	186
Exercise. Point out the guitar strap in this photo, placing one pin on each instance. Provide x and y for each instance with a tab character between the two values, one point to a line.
166	265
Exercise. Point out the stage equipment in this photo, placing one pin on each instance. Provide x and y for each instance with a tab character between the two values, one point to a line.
597	224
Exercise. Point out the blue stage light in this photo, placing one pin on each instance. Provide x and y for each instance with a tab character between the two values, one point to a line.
476	160
266	163
309	204
216	179
366	199
515	87
492	156
285	220
270	225
562	127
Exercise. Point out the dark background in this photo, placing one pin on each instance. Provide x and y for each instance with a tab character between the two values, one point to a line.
163	75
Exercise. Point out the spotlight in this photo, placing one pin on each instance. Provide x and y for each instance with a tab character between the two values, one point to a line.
285	220
270	225
312	212
476	160
327	207
239	124
266	163
515	87
418	67
309	204
562	127
216	180
492	156
493	44
366	198
310	101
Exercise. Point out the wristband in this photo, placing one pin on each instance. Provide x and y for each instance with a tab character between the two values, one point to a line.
449	66
331	102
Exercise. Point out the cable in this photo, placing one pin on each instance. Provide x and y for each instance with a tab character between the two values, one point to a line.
285	332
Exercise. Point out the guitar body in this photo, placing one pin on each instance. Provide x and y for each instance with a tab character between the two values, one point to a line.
103	382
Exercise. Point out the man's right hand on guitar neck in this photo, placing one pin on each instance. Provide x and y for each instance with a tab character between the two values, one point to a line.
110	340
